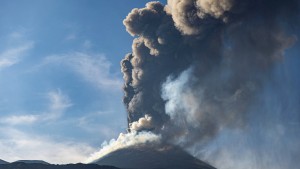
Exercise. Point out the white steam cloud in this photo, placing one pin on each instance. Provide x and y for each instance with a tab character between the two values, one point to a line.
124	141
142	124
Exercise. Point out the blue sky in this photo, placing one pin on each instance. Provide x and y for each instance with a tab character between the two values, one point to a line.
60	94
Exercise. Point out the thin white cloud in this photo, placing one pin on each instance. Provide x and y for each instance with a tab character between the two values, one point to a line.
19	120
17	145
14	54
94	68
16	35
87	44
59	102
90	123
71	36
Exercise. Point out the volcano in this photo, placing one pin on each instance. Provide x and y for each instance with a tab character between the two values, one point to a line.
145	157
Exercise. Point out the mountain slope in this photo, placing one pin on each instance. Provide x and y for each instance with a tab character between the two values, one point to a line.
152	158
3	162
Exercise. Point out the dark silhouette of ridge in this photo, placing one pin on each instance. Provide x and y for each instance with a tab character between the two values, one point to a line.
3	162
32	161
169	157
22	165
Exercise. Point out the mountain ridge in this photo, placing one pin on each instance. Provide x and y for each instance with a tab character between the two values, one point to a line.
3	162
22	165
32	162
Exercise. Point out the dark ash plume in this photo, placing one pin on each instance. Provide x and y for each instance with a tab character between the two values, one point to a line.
145	70
197	66
230	44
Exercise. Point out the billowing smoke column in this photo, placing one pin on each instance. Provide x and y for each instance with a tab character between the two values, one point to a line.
199	67
225	49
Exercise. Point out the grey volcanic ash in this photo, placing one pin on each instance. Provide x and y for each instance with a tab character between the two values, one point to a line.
197	70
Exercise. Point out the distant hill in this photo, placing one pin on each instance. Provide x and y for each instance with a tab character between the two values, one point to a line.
21	165
32	161
152	158
3	162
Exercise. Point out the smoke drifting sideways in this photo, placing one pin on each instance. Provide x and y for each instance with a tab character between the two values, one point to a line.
199	75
